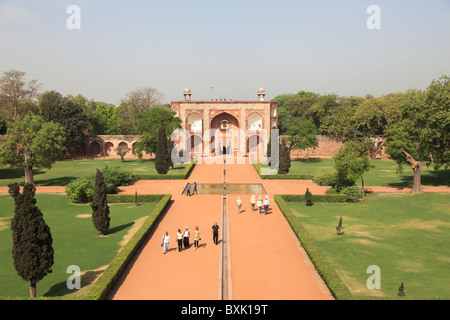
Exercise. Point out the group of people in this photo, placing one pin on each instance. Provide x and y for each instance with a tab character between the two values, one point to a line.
183	238
259	204
188	189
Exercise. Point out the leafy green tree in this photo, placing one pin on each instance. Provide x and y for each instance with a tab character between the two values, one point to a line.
149	123
75	122
50	104
32	251
302	136
422	136
161	163
122	151
352	161
32	143
104	120
99	205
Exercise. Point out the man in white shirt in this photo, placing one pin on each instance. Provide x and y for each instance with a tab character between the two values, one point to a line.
165	242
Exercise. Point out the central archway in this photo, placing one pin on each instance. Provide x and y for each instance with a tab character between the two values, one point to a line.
224	134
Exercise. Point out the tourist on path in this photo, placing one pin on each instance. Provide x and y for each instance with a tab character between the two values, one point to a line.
188	190
215	228
165	242
253	202
239	204
180	240
266	204
186	238
195	188
197	238
259	204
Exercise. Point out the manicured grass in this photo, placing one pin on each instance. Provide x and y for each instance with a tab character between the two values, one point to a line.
64	172
385	173
75	242
407	236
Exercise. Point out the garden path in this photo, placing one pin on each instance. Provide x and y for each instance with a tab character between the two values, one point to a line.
266	260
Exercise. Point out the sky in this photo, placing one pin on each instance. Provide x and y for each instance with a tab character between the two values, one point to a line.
227	48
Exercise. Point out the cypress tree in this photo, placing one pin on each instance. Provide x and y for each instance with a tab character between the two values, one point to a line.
401	290
32	250
308	198
285	159
99	205
340	227
170	146
161	162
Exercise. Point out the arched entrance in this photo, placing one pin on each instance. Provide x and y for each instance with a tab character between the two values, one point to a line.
109	148
224	134
95	148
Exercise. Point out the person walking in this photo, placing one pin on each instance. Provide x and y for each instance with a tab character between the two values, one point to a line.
253	202
239	204
266	204
165	242
180	240
197	237
195	189
215	228
259	204
186	238
188	190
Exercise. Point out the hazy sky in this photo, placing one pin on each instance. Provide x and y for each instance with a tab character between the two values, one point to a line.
235	47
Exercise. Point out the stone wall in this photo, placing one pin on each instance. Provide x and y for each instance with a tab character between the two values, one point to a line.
327	147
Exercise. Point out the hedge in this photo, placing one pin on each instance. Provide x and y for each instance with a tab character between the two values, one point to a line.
181	176
321	198
323	266
105	283
129	198
257	167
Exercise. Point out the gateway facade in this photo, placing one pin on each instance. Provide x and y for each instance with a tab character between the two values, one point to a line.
225	127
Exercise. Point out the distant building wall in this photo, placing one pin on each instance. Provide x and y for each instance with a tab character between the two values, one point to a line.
105	145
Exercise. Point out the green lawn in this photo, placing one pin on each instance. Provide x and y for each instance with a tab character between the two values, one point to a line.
385	173
64	172
407	236
75	241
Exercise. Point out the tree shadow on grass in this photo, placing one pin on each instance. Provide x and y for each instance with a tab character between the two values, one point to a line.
430	178
120	228
60	289
309	160
60	182
10	173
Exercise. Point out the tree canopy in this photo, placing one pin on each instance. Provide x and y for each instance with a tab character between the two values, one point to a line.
32	143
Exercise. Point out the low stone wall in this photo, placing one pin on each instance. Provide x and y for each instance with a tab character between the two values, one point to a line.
327	147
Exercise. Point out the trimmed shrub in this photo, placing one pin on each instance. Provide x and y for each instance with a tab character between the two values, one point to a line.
326	177
118	176
331	191
81	190
353	193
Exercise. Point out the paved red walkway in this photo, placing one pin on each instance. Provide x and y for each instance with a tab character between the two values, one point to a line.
266	259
